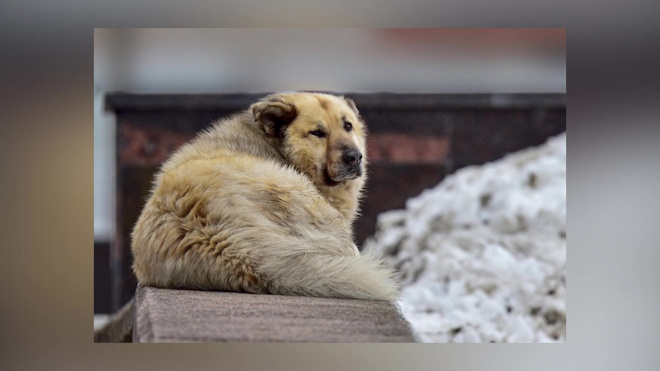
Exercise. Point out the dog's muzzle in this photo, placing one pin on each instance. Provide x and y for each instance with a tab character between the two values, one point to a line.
352	161
350	167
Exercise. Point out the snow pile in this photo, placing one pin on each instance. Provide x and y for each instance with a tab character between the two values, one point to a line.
483	254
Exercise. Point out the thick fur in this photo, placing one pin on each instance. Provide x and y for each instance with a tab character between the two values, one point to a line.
263	203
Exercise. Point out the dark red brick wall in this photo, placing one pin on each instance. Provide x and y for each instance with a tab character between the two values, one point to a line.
414	141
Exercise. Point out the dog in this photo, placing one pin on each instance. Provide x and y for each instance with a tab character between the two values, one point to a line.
263	202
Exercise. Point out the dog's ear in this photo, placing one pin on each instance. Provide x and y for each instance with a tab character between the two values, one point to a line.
274	115
352	106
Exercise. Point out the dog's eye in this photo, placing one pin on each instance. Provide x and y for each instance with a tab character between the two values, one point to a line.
348	126
318	133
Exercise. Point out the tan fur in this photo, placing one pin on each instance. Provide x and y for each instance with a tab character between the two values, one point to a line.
258	204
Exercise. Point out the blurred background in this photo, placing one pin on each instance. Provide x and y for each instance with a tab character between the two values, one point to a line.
435	100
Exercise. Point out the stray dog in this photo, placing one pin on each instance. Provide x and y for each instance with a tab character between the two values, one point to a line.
263	202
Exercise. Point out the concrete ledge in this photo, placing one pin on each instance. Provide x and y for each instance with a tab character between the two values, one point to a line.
193	316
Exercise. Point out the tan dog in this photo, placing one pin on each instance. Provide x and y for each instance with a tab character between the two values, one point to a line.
263	202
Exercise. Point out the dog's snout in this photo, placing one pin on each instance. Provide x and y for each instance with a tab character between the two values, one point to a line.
352	157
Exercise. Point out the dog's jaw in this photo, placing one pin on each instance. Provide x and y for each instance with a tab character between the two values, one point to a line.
327	180
346	176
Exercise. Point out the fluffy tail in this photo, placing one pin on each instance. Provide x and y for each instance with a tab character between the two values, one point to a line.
325	275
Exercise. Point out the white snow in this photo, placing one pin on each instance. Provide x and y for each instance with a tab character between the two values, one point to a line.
483	254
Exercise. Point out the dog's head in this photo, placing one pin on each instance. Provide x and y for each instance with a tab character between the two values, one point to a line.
321	135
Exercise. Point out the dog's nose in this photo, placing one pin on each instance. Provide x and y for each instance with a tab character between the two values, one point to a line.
352	157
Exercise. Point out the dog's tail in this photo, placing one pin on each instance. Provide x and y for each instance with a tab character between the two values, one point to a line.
326	275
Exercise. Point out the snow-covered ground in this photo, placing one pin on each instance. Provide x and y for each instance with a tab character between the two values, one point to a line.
483	254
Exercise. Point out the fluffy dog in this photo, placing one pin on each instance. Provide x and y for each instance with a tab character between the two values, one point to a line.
263	202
